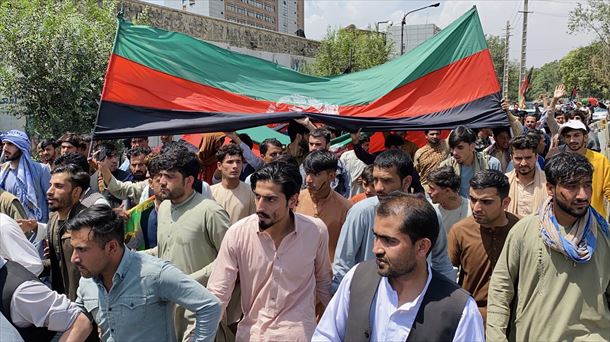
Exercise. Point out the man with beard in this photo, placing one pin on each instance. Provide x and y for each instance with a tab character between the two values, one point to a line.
464	160
527	182
140	288
68	182
575	136
398	296
235	196
475	242
137	163
23	177
429	156
391	172
280	258
190	227
319	200
47	151
70	142
137	142
553	260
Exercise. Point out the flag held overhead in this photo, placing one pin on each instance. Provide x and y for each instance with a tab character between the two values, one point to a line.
159	82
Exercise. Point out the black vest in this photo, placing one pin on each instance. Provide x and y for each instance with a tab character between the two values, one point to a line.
437	318
12	275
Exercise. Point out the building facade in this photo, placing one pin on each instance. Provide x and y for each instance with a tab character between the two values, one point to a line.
286	16
414	35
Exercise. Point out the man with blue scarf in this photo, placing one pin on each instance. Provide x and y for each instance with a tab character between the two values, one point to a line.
552	279
23	177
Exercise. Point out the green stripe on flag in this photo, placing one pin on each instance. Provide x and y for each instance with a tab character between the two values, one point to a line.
195	60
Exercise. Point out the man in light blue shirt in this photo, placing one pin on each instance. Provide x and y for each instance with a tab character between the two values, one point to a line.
130	295
391	172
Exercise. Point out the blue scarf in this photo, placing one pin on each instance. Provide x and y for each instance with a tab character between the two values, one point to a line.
579	243
27	194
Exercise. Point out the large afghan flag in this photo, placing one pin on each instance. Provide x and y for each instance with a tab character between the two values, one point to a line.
160	82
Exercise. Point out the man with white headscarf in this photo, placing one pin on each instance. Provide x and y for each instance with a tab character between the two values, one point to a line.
23	177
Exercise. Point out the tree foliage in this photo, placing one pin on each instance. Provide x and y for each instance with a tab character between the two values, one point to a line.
350	50
578	72
594	17
53	58
545	79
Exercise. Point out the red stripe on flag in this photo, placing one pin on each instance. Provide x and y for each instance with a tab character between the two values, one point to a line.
466	80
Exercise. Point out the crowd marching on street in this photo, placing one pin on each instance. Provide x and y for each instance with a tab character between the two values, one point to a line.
496	234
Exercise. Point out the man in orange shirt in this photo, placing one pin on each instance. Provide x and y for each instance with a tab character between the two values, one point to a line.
319	200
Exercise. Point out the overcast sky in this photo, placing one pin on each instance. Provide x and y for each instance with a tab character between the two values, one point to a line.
547	38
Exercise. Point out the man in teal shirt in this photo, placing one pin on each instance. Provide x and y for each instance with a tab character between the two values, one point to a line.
131	295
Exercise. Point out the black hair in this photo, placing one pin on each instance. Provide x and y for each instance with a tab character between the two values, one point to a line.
264	146
229	150
73	158
174	146
524	142
153	165
566	168
138	151
181	160
287	158
461	134
72	139
580	114
286	175
367	174
110	148
321	133
46	142
534	115
499	130
445	177
393	140
419	220
395	158
104	223
318	161
491	179
78	177
246	140
535	135
426	131
560	113
295	128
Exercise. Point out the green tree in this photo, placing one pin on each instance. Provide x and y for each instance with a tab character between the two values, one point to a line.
350	50
545	79
578	72
53	58
594	17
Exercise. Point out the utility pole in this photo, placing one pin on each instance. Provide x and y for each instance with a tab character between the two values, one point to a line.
505	76
523	43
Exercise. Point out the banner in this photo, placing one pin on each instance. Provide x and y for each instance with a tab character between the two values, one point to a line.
161	82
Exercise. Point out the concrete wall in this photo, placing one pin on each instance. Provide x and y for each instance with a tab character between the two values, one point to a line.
222	31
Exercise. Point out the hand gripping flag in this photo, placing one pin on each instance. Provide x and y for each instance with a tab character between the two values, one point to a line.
134	237
159	82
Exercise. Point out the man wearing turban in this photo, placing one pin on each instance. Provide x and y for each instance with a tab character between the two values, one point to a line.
23	177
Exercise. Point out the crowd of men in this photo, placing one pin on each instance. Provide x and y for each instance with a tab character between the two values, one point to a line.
500	232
